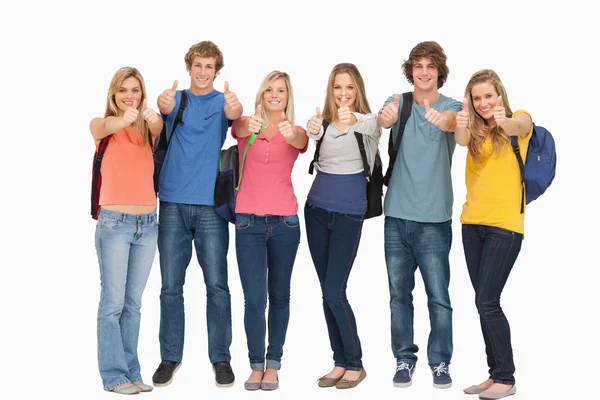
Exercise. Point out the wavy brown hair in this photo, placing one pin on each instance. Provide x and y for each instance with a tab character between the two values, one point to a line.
115	84
433	51
478	127
205	49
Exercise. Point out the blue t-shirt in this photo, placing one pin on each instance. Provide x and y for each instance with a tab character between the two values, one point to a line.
190	168
420	188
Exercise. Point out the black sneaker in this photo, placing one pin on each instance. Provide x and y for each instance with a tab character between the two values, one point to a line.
164	373
224	376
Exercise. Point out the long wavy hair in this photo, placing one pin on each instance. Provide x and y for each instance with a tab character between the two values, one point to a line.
115	84
264	85
478	127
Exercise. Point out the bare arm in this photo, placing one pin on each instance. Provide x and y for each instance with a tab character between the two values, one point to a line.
519	125
300	138
241	127
103	127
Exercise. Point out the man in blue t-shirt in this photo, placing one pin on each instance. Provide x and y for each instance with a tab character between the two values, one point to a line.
187	214
418	213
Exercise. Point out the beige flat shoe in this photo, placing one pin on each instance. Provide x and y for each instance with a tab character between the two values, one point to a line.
346	384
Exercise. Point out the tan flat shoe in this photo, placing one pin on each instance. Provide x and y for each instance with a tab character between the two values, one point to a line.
346	384
324	381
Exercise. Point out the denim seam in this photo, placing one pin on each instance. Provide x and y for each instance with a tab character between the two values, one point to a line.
349	268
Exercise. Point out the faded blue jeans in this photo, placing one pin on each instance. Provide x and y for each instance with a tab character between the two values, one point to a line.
333	240
180	226
126	245
266	248
490	253
408	245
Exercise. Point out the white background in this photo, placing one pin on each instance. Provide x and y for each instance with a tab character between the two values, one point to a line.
57	61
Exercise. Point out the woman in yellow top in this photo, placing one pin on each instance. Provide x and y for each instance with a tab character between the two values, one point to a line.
492	229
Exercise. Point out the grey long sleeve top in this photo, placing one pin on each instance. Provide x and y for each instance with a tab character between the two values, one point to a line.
339	153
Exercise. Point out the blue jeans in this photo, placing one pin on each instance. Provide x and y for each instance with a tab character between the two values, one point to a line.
333	240
266	248
409	244
490	253
180	226
126	245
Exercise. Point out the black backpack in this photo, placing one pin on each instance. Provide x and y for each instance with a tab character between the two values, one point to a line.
375	181
160	151
407	100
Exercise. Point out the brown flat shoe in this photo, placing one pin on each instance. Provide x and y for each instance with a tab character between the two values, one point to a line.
324	381
346	384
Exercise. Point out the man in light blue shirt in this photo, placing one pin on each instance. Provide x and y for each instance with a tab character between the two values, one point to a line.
418	212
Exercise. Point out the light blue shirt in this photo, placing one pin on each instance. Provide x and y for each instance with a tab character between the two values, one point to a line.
420	188
190	168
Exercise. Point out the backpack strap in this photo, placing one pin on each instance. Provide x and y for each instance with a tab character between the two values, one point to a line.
311	167
407	100
96	174
363	154
514	141
179	116
250	143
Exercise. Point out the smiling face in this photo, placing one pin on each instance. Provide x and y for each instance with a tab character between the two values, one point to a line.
484	97
344	90
128	95
425	75
275	96
202	74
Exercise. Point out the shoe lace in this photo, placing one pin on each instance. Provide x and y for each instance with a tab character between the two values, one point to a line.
442	368
403	365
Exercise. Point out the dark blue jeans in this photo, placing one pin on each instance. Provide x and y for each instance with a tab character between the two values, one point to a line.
409	244
333	240
490	253
180	225
266	248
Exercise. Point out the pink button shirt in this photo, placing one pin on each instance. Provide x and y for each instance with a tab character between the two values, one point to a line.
267	178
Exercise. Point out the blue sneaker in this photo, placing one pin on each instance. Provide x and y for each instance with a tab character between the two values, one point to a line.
441	376
404	373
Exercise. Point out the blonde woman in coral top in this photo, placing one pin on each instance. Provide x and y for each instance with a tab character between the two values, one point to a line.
127	227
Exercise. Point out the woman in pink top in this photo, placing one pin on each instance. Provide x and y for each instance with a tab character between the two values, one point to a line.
127	227
267	227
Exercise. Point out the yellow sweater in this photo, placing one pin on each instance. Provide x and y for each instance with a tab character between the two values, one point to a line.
494	187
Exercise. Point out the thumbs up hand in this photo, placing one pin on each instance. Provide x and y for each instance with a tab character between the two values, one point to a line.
149	115
286	129
166	100
344	115
462	117
256	120
389	113
434	116
315	123
500	112
130	114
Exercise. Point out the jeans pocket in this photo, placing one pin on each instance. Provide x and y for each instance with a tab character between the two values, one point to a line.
354	217
291	221
109	222
241	221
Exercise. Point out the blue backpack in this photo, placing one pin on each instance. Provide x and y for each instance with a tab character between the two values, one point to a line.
538	173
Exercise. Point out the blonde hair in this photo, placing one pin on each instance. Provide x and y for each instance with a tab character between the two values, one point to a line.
115	84
477	125
361	104
264	85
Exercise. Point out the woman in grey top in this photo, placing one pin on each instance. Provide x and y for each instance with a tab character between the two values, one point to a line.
335	211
